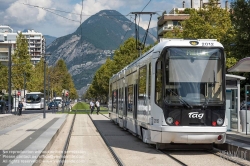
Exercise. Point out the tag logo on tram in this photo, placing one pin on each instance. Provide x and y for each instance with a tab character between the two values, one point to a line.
195	115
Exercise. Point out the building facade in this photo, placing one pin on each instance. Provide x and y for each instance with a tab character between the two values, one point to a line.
36	43
167	22
7	38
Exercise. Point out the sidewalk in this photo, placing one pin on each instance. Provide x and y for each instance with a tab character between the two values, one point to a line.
22	144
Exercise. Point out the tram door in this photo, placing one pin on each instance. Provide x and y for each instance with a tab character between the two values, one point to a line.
135	100
231	109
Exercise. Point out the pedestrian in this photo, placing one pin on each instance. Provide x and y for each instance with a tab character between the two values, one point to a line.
20	108
92	106
97	104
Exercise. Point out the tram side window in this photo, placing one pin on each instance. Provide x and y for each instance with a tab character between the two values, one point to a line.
130	98
114	101
149	80
142	85
120	99
110	91
126	100
158	83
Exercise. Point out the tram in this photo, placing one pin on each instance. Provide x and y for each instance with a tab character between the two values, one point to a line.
174	93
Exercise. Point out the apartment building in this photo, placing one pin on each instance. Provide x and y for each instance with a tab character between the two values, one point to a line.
7	38
167	22
36	43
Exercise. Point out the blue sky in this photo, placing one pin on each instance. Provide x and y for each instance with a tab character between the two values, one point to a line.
19	16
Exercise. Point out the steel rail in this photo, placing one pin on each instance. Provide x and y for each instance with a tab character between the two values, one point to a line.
217	152
65	149
117	159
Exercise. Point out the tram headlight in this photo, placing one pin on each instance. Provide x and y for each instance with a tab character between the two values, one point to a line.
220	121
170	120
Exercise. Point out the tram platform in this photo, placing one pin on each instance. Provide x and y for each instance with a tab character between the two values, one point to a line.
22	144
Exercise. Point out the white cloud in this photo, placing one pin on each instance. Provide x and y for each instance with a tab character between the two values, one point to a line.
20	16
25	15
90	7
145	21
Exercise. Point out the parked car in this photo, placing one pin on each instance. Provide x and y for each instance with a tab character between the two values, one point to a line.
3	108
67	103
243	105
53	105
7	104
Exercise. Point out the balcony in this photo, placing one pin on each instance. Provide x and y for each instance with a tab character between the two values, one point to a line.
4	58
166	28
4	49
172	17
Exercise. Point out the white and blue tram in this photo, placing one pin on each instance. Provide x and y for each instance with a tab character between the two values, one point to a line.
174	93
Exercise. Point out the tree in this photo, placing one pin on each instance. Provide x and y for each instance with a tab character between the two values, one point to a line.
175	33
126	54
4	77
36	83
61	79
69	85
100	83
211	22
21	62
240	14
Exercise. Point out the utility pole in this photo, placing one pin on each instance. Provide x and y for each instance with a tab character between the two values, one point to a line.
44	85
140	45
9	81
24	85
49	87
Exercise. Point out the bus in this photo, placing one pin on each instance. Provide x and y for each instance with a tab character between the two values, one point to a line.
173	94
34	100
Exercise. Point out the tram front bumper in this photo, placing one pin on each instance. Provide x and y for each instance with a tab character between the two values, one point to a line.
190	135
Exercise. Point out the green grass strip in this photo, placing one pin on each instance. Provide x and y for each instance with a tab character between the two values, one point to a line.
83	108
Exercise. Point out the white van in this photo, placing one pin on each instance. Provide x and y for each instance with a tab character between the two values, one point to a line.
58	100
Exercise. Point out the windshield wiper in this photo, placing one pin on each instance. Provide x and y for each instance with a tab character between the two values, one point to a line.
205	104
181	99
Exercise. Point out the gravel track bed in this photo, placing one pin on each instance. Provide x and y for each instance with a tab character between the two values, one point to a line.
11	120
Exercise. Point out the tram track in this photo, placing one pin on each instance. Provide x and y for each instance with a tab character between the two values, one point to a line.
117	159
181	157
65	149
214	151
174	158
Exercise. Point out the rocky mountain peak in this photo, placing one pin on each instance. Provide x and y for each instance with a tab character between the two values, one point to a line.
85	50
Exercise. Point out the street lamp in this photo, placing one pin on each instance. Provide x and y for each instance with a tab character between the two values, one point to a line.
9	81
44	84
24	85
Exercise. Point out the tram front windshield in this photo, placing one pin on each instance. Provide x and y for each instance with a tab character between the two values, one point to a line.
194	75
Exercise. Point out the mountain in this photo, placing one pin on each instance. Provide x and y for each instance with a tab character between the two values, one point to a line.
49	39
85	50
153	31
